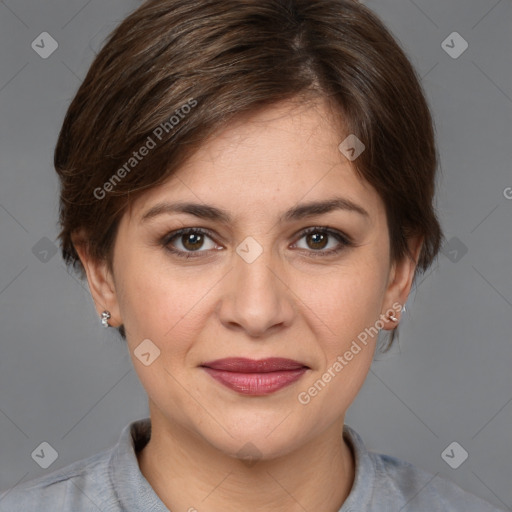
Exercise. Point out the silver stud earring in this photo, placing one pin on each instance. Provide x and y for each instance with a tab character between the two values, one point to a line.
104	318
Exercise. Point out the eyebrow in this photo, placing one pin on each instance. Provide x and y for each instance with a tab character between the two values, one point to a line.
299	212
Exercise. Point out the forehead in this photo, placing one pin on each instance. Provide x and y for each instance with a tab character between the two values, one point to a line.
268	161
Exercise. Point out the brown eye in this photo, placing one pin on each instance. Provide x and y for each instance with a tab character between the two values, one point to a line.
187	241
192	241
323	241
317	240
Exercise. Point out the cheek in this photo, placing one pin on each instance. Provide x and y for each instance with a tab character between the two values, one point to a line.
165	308
344	302
160	303
342	310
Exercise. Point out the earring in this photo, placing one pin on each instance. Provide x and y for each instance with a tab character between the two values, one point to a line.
393	318
104	318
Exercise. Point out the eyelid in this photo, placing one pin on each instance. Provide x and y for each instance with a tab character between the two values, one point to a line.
344	240
166	239
326	229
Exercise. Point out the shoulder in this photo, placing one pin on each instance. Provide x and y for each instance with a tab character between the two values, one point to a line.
386	484
109	481
420	490
82	486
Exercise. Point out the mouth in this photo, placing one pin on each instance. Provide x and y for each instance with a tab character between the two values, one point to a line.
255	377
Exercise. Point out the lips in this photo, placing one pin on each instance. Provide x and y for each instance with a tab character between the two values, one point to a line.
243	365
251	377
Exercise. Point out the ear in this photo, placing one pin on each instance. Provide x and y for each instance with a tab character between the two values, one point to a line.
400	281
101	282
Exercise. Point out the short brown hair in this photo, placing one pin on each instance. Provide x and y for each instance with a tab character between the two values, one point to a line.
232	58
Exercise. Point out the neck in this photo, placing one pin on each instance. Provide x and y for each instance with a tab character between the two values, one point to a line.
189	474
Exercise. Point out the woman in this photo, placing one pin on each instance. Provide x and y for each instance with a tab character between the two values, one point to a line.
248	189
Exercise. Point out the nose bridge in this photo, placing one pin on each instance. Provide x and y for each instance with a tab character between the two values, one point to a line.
253	264
256	299
254	273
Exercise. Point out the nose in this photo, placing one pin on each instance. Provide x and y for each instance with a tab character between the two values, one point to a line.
255	298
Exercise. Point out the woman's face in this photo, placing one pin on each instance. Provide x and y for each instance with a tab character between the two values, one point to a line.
253	284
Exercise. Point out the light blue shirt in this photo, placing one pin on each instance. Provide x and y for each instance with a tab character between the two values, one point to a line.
111	481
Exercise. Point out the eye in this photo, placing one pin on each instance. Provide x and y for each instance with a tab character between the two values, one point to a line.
185	242
323	241
195	242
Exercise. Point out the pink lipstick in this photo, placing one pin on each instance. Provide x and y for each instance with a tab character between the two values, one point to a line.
252	377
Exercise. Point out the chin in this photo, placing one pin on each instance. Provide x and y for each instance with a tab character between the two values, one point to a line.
258	441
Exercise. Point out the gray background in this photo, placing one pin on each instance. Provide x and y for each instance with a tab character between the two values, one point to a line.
67	381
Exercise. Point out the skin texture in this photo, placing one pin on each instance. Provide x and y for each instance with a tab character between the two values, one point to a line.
289	302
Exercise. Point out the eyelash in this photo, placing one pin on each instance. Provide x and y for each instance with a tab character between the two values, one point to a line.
342	239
